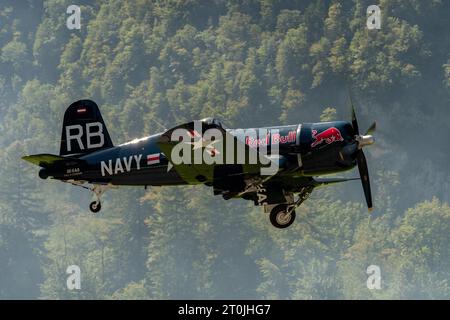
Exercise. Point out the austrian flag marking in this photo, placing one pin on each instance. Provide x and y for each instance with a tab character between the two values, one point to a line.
153	158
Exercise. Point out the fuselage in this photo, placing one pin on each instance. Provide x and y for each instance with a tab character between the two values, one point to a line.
304	149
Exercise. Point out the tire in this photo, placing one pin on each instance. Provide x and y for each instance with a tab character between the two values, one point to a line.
95	206
278	216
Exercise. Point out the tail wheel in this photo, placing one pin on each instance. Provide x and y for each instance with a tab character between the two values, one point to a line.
281	217
95	206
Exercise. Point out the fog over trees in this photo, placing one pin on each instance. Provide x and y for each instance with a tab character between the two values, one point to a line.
249	63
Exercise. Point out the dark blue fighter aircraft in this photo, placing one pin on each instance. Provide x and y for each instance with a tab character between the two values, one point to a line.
276	167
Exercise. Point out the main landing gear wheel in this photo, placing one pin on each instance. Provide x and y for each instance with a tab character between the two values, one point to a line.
98	191
282	216
95	206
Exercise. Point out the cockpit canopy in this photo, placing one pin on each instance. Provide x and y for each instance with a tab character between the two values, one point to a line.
213	121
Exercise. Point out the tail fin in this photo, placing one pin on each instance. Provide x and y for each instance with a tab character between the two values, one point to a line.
83	129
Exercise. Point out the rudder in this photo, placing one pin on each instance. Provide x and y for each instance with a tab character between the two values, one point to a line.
84	130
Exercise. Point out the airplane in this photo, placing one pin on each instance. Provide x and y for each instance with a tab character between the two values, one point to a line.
294	157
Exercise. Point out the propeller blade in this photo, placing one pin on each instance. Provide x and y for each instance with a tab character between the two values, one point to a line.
364	174
354	120
371	129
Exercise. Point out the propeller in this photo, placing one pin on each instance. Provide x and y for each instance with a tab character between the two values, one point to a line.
354	120
363	140
364	174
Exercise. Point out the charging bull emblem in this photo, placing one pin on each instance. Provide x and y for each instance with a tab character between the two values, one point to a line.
328	136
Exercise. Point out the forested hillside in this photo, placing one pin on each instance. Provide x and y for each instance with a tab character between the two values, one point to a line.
150	64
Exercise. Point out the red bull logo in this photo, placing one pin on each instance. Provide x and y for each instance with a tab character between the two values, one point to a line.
328	136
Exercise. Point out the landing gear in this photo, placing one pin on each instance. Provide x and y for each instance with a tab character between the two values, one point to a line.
303	195
98	190
282	216
95	206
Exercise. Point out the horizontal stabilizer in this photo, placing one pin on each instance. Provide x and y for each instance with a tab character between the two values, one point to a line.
45	160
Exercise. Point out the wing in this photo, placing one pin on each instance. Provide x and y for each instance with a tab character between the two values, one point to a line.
204	152
321	182
282	187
